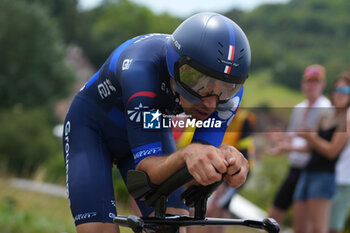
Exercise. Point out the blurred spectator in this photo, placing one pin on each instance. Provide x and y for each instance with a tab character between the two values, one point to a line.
341	202
304	115
316	185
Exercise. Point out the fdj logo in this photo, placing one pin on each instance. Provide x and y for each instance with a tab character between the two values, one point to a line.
151	120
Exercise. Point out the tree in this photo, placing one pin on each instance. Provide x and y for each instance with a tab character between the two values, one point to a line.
286	38
26	140
32	68
114	22
66	14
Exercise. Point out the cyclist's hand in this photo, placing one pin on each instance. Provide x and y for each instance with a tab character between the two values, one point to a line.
238	166
205	163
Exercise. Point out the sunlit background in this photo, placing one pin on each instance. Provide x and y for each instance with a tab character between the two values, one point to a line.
49	49
183	8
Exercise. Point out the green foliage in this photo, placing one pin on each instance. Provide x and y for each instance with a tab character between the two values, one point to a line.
121	191
26	140
24	211
266	179
289	73
66	14
114	22
13	221
54	169
32	71
261	91
289	37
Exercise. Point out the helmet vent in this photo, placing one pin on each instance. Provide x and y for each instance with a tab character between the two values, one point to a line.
241	57
221	53
219	60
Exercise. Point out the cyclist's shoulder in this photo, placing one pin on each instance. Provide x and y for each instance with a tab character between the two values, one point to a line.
149	43
145	56
141	49
152	37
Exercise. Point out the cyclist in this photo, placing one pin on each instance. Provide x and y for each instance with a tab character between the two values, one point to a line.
200	70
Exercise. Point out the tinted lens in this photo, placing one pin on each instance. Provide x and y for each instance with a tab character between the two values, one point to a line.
205	85
344	90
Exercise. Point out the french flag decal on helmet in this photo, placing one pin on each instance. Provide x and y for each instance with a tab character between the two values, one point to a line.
230	57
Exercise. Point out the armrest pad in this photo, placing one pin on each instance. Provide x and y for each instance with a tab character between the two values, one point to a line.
139	185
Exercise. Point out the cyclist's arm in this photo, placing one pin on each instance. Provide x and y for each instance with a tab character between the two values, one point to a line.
204	162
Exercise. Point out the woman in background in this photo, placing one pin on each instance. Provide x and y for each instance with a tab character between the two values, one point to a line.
316	185
341	201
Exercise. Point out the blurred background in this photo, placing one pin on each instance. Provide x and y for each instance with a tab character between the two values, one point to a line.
50	48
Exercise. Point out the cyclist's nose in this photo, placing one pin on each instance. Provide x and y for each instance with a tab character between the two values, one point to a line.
210	102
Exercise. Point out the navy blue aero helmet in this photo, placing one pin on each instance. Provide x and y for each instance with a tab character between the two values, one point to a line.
207	48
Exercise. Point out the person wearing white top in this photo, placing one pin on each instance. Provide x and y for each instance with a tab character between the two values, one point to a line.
304	115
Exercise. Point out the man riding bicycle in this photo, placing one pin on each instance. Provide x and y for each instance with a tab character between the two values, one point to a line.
200	70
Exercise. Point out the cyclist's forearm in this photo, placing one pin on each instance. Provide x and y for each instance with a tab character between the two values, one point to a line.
159	168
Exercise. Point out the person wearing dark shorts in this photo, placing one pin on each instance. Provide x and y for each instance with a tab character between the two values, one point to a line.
284	197
304	114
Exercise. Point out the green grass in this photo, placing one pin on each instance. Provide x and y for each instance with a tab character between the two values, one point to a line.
261	91
23	211
265	179
32	212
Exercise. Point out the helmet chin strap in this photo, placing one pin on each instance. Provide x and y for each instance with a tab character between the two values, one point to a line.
195	100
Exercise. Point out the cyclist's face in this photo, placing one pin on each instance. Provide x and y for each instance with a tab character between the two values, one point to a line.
202	85
199	111
211	89
202	110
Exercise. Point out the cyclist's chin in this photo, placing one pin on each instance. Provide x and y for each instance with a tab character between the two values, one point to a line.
200	115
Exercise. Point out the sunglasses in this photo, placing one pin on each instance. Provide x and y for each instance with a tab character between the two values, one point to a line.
344	90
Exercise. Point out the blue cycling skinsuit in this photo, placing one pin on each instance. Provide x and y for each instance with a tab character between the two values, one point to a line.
105	125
